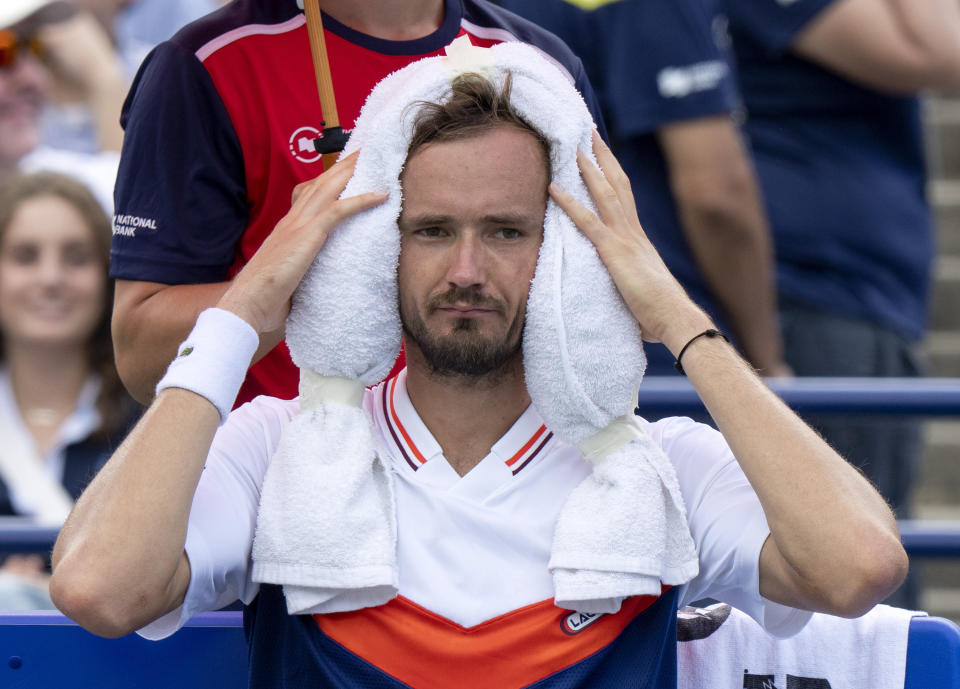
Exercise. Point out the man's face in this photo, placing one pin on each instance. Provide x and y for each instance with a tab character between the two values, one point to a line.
470	233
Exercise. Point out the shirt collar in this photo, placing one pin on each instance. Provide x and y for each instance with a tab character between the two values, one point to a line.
519	447
409	434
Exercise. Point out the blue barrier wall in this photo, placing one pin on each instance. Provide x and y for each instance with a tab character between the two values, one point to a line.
47	651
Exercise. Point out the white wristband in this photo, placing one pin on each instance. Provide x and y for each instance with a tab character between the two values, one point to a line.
214	358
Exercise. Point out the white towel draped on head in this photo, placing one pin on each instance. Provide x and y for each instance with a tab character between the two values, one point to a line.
327	524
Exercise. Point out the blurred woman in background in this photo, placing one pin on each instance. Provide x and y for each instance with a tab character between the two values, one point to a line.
63	408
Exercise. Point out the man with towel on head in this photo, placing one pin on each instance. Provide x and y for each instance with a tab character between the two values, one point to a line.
500	532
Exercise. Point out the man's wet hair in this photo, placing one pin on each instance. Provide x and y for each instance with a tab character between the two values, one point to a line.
475	107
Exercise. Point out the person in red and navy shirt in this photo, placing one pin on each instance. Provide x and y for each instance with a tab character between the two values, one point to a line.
219	128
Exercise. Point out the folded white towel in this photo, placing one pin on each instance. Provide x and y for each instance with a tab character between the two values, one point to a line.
623	531
326	528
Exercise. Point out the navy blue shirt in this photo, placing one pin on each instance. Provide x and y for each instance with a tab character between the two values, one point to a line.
652	63
843	172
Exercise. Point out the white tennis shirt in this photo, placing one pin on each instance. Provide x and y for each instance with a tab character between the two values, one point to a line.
474	547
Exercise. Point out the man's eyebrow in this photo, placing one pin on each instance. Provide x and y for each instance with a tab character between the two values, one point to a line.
425	219
504	218
512	219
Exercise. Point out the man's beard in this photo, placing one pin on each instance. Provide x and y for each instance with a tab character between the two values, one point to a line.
464	352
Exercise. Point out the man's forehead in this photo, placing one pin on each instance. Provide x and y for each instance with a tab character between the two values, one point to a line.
469	182
488	143
502	153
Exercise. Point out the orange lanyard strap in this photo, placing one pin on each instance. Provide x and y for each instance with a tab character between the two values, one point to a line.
332	138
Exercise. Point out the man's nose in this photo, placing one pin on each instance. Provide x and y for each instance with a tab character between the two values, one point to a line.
467	262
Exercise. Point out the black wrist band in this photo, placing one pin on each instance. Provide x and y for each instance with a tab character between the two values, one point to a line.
710	332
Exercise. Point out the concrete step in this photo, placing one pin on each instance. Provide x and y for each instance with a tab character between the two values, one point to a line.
939	578
940	574
937	493
945	297
942	601
942	351
947	223
942	129
944	195
938	513
937	488
943	432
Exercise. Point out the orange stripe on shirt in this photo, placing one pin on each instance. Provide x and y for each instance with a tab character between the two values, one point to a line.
428	651
403	431
527	446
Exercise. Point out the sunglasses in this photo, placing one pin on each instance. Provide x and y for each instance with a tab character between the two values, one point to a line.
12	46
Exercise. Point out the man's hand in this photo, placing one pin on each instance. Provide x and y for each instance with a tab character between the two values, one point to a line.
261	291
658	302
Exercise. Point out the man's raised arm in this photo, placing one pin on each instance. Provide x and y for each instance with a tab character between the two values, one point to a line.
834	545
119	562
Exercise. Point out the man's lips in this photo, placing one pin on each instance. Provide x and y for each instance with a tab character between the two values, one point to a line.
465	311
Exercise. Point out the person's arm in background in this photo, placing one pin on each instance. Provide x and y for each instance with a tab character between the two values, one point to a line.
721	211
151	319
899	46
86	67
